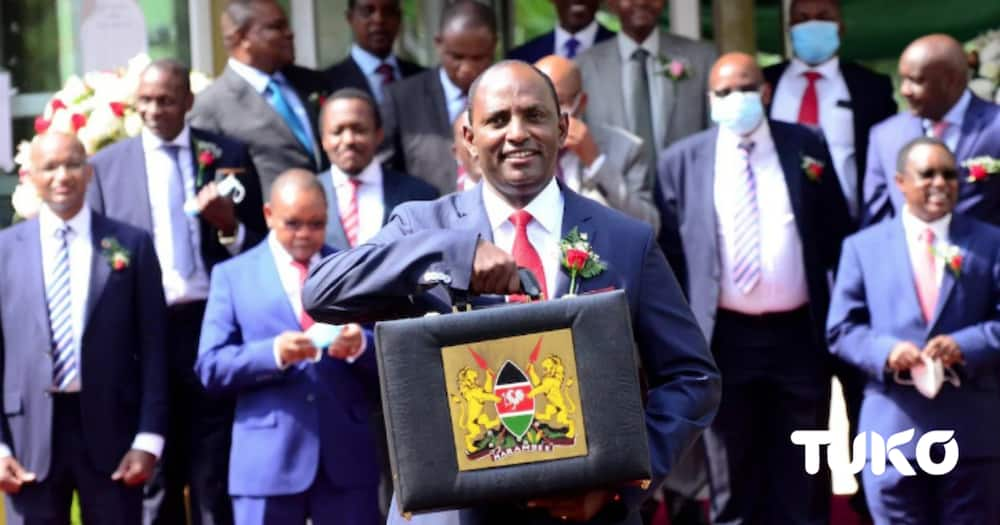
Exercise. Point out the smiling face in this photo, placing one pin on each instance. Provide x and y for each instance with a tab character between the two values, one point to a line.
267	42
516	131
930	182
162	100
575	15
638	17
350	135
375	24
60	173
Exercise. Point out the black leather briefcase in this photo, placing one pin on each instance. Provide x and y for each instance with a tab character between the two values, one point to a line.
512	402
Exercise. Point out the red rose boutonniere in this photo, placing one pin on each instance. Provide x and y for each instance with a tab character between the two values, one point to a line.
813	168
579	259
980	168
317	99
115	253
952	257
207	153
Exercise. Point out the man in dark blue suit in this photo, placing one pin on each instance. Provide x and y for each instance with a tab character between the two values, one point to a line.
576	32
817	88
81	341
360	192
146	181
916	292
934	75
302	441
514	133
371	64
753	215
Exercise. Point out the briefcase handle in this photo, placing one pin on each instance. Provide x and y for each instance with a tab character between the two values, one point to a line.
460	301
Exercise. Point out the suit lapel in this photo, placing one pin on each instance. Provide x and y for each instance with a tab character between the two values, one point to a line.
335	235
971	130
789	149
100	270
272	286
439	104
357	77
30	275
391	196
610	62
136	167
669	91
574	216
902	273
702	179
255	105
958	235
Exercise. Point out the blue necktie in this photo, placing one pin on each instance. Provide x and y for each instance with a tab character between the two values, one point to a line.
64	366
276	98
572	45
180	234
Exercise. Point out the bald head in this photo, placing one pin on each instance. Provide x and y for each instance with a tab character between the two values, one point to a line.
933	74
295	181
735	72
567	80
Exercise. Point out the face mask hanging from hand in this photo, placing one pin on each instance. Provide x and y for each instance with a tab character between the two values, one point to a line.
739	111
929	376
816	41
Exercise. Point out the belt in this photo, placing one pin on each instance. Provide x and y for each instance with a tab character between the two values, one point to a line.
766	320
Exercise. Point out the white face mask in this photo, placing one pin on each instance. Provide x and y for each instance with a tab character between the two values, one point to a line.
929	376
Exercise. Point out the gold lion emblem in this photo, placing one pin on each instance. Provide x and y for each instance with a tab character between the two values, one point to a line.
474	419
553	384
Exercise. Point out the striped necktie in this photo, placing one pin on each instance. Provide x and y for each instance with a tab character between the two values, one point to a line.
746	235
64	365
349	217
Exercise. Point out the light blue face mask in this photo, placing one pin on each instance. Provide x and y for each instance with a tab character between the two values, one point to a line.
815	41
740	111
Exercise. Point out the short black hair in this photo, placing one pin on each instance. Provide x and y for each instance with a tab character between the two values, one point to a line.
240	14
471	14
352	3
350	93
174	67
504	63
904	153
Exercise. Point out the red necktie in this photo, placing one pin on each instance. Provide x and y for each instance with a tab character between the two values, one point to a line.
939	128
927	286
524	253
809	110
304	318
388	75
349	218
462	177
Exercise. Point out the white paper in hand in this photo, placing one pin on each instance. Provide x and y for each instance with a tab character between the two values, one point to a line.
323	335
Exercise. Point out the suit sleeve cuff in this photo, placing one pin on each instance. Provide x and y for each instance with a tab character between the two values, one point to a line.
5	451
277	356
241	237
360	351
149	442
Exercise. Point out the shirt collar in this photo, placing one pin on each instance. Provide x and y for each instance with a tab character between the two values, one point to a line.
546	207
451	91
627	46
585	36
829	69
257	79
151	142
49	222
283	259
956	114
370	176
369	62
915	227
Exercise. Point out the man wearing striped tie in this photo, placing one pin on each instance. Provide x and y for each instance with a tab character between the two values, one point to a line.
82	318
752	220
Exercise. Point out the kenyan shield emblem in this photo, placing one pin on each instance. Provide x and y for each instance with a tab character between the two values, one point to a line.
515	409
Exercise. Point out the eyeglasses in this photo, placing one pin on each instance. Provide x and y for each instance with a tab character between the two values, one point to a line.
930	175
295	225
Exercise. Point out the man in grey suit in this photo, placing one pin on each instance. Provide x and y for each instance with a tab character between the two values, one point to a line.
262	98
661	94
417	112
604	163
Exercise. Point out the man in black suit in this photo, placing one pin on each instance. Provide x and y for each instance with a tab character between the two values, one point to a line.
82	349
418	111
371	64
815	88
575	33
261	98
146	182
361	193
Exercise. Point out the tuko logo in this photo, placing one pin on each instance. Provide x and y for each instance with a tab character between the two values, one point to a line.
883	450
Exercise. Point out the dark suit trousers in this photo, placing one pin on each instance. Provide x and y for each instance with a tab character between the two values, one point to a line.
968	495
774	381
48	503
199	433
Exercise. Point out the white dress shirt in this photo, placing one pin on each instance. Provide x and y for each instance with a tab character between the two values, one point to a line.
259	80
954	117
288	275
368	63
916	245
81	254
453	96
627	46
836	118
544	231
782	285
371	205
585	37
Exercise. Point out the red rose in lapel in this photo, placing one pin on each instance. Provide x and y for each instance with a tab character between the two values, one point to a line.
812	167
977	172
579	259
576	259
205	158
115	253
